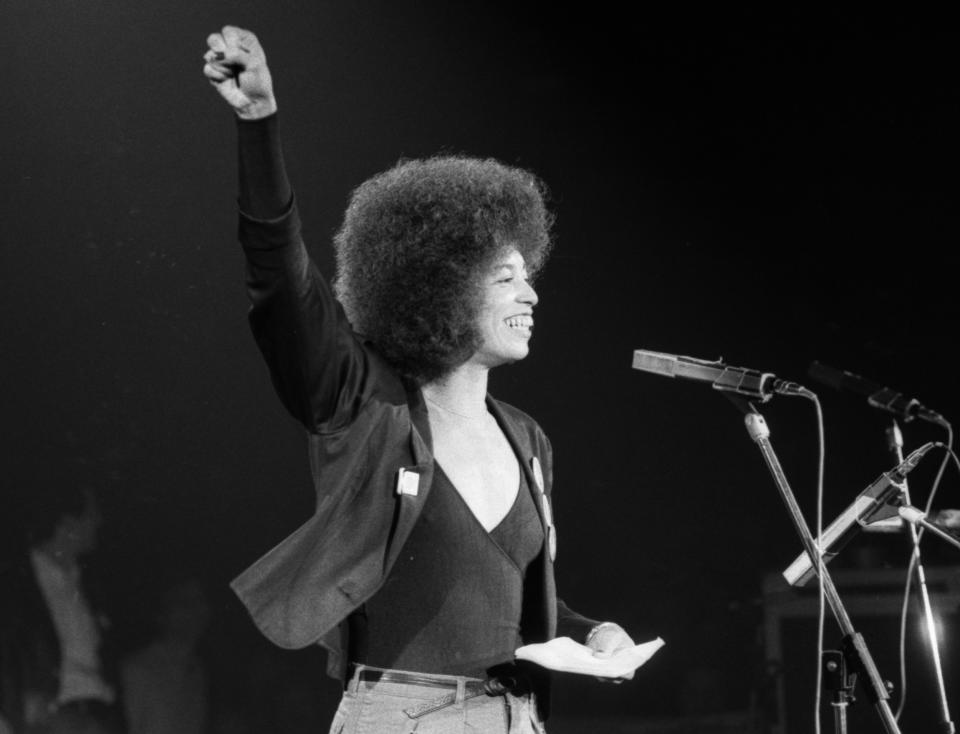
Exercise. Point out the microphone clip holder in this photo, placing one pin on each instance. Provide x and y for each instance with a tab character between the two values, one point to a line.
916	516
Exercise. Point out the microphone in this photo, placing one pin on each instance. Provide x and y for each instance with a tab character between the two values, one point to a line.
877	395
754	384
876	502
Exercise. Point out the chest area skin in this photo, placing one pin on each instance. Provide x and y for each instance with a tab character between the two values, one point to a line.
480	463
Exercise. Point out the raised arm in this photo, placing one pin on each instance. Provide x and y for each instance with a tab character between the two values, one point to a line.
317	364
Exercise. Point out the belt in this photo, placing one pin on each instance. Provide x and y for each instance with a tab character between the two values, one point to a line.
471	687
375	675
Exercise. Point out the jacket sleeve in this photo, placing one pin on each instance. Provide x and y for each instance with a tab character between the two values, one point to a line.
317	364
569	623
572	624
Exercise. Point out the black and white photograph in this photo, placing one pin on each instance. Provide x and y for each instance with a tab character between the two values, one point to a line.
478	367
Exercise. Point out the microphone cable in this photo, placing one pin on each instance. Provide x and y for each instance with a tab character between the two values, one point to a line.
821	609
912	566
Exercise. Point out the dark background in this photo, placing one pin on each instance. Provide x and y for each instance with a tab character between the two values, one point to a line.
767	187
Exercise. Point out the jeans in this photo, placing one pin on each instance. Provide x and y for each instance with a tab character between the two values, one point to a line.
377	701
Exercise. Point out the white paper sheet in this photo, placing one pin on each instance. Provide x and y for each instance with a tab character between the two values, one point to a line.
565	655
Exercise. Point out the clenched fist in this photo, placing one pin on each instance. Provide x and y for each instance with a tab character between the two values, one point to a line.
237	66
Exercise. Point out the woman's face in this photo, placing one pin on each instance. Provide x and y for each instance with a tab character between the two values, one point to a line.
506	317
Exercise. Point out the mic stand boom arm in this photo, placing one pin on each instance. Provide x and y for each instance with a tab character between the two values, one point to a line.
855	646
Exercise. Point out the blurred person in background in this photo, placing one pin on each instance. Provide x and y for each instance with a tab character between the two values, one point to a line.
55	676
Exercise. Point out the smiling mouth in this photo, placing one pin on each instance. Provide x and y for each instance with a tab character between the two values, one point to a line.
520	323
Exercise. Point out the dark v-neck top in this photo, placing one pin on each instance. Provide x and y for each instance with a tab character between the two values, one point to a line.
453	601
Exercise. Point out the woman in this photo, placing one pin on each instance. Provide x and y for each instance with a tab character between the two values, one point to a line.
429	559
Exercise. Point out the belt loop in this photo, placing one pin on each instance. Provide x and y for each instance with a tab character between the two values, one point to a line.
353	685
535	714
461	690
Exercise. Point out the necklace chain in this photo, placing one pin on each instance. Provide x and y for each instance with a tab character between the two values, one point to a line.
480	416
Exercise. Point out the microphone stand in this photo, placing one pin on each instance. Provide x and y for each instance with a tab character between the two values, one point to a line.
855	650
914	516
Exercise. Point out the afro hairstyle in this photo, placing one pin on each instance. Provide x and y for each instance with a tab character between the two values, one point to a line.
415	244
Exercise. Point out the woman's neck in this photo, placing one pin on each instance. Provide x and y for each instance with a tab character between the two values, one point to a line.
463	392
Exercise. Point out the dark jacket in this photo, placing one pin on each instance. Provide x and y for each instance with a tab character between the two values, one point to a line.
365	424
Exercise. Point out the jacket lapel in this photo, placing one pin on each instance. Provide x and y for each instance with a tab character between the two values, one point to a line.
519	438
411	500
